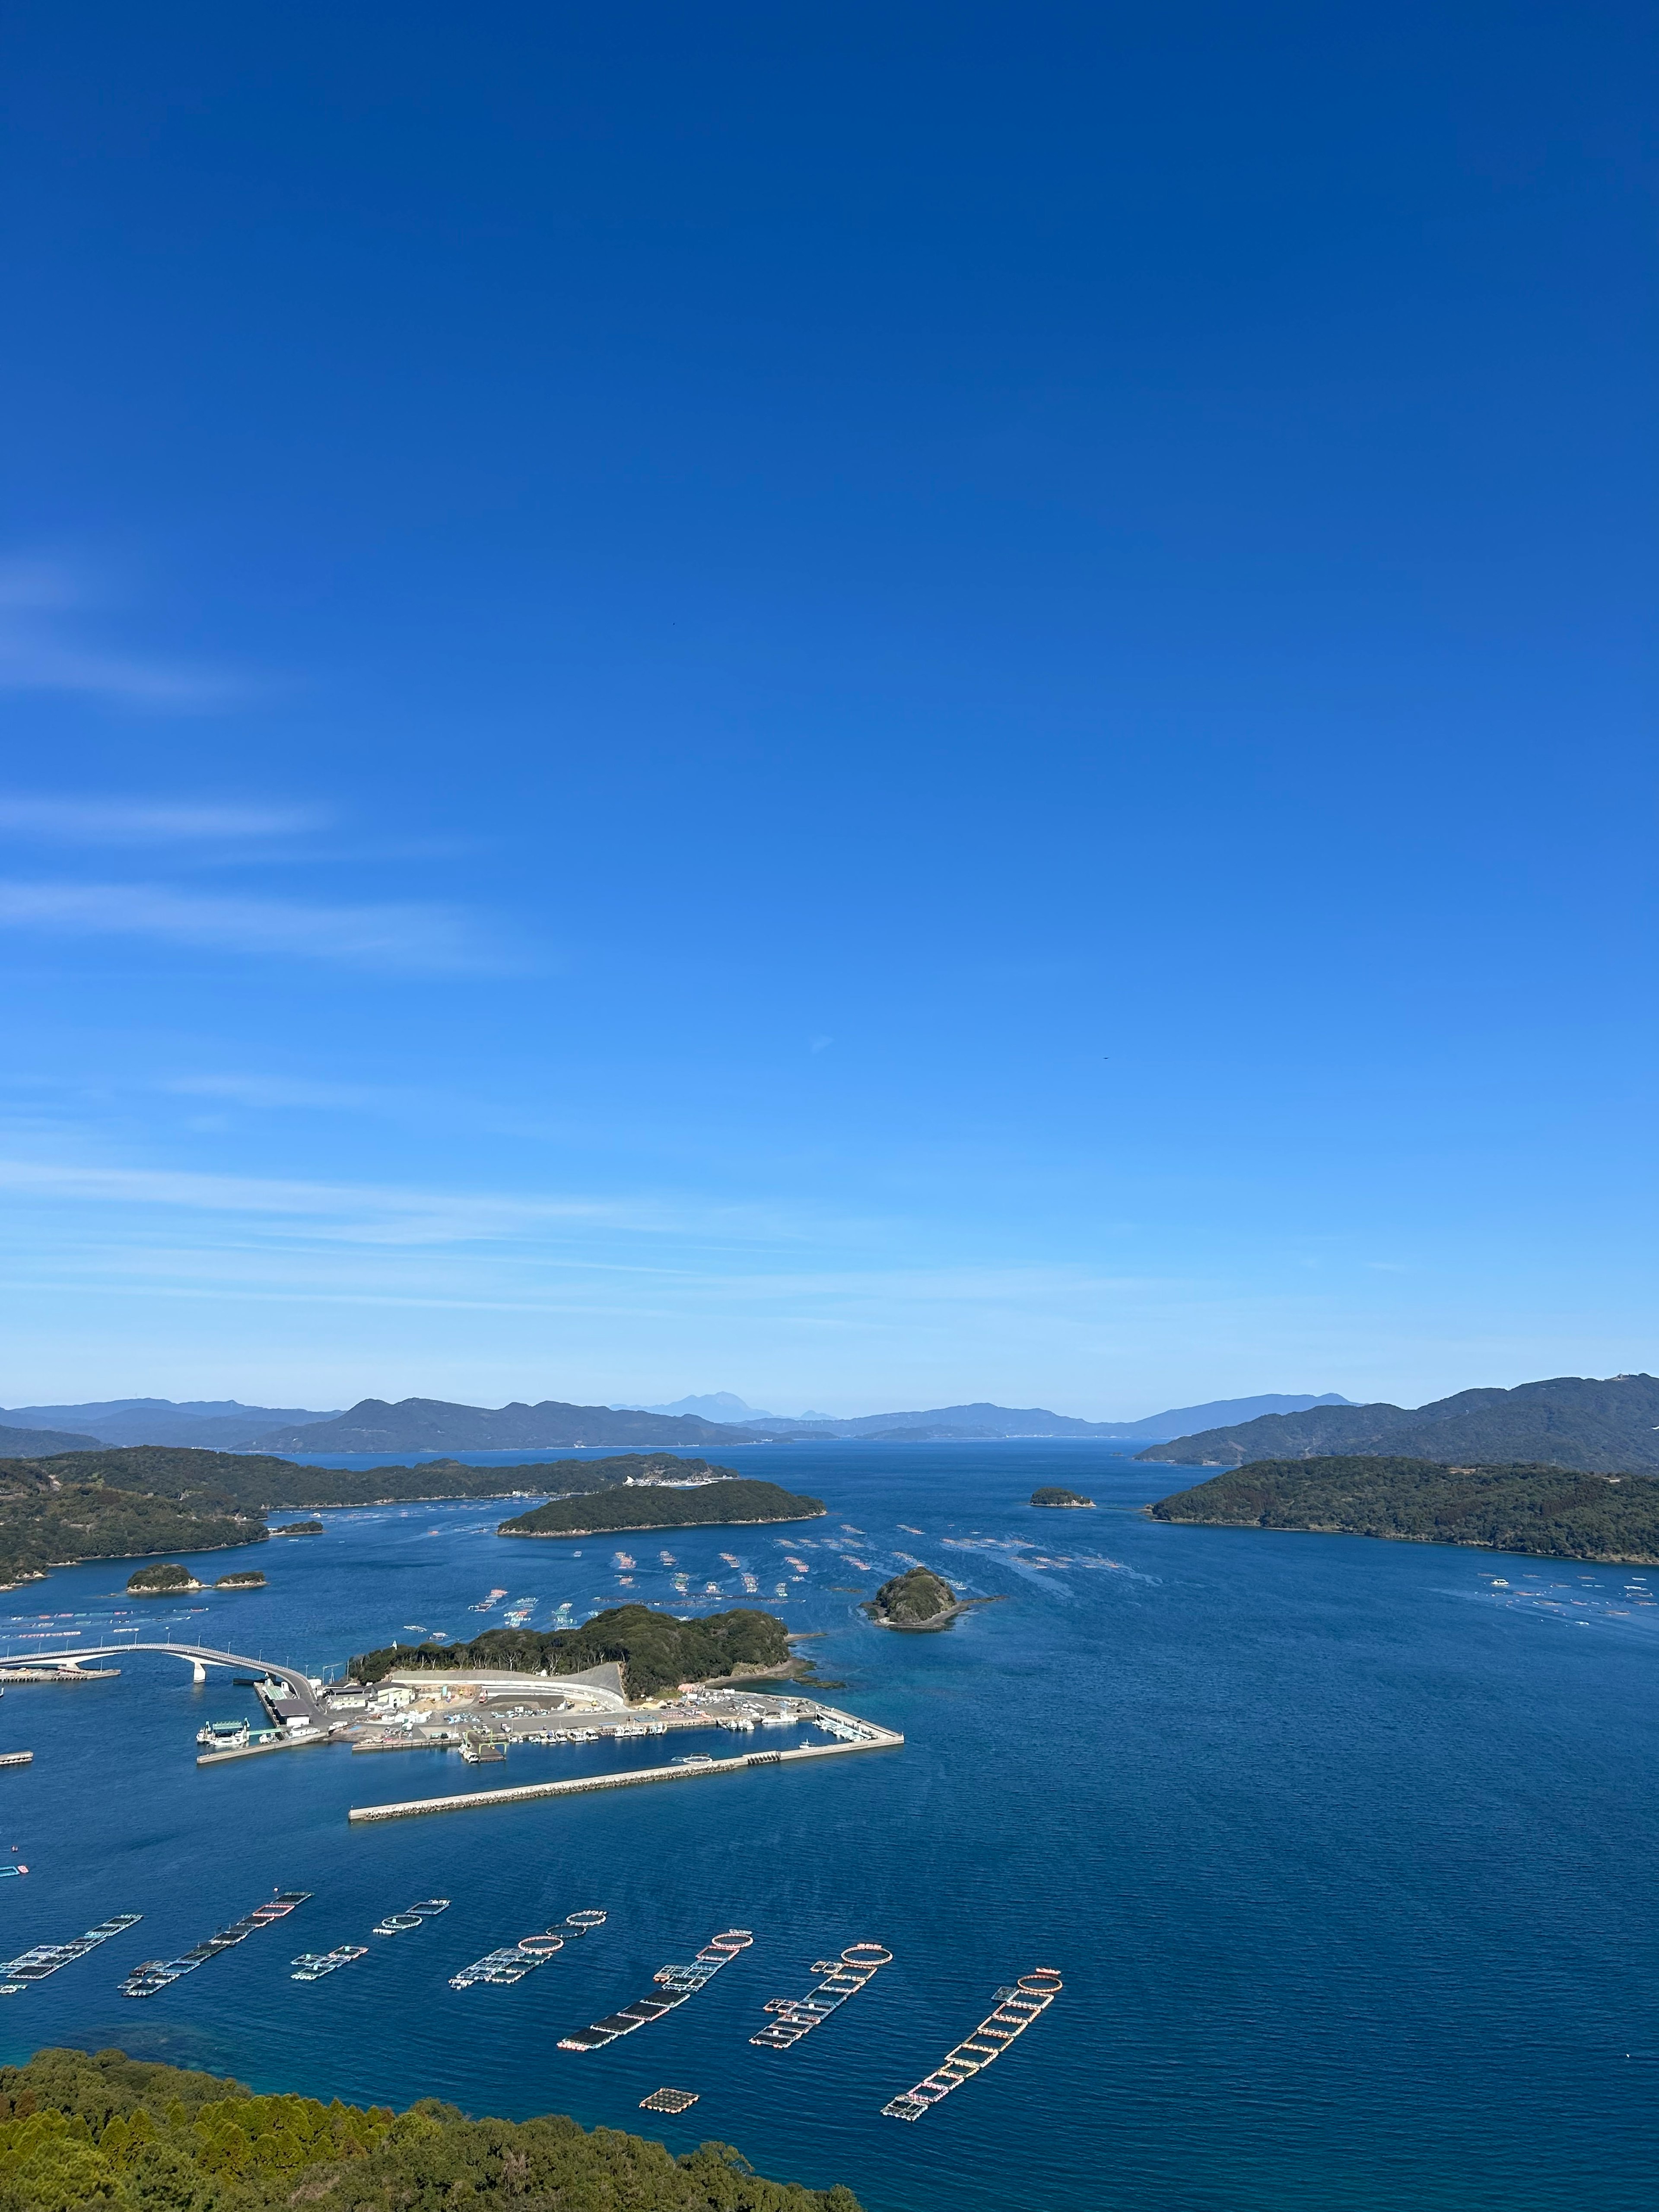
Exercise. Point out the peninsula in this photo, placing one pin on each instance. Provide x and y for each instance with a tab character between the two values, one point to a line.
1549	1512
634	1505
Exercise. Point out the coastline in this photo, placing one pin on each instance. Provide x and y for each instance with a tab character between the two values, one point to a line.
642	1528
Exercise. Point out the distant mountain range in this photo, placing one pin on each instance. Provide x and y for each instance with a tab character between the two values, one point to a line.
42	1443
434	1425
215	1423
1608	1426
424	1424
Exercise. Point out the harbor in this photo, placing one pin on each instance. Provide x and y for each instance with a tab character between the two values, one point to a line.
851	1735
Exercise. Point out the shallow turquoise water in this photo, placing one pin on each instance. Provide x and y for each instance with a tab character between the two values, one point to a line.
1347	1856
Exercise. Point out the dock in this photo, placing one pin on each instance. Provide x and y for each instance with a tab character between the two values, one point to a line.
270	1739
855	1735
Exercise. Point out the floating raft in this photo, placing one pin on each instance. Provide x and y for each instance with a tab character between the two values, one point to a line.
153	1974
1017	2008
313	1965
678	1984
669	2100
515	1960
45	1959
843	1978
399	1924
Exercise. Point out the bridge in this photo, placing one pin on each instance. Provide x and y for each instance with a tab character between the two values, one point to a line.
200	1658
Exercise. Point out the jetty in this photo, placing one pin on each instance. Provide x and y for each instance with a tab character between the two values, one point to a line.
853	1734
1016	2006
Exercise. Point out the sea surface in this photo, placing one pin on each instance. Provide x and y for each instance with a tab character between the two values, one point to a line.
1345	1850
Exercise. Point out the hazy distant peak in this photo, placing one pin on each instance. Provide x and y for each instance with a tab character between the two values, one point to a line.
712	1405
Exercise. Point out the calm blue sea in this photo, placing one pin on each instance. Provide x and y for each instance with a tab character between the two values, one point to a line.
1346	1854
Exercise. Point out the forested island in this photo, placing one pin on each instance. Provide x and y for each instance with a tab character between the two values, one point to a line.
47	1523
1051	1494
256	1483
102	2132
120	1502
1549	1512
712	1505
655	1650
166	1579
918	1599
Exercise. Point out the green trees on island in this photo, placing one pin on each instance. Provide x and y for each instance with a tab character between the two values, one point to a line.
157	1581
913	1600
1550	1512
637	1505
656	1651
80	2131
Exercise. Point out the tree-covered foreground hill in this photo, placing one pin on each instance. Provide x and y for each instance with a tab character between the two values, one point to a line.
655	1650
79	2131
1548	1511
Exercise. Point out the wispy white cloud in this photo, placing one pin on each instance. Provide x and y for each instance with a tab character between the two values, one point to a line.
40	650
279	1090
373	1214
393	939
146	822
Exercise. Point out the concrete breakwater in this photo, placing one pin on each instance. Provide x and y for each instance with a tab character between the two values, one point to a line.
855	1735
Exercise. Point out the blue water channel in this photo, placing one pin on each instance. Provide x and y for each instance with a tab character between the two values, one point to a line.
1346	1851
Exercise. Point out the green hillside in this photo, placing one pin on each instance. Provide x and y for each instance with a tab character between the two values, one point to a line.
608	1512
255	1482
1548	1511
1609	1426
106	2133
44	1525
656	1650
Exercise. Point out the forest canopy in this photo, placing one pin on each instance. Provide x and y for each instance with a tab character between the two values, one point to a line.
1550	1512
103	2131
656	1651
606	1512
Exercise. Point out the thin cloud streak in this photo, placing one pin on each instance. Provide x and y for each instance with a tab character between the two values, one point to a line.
391	939
37	655
146	822
370	1214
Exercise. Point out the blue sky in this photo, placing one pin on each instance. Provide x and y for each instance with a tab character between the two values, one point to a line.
876	708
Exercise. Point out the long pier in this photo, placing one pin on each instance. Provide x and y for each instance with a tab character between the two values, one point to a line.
869	1738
